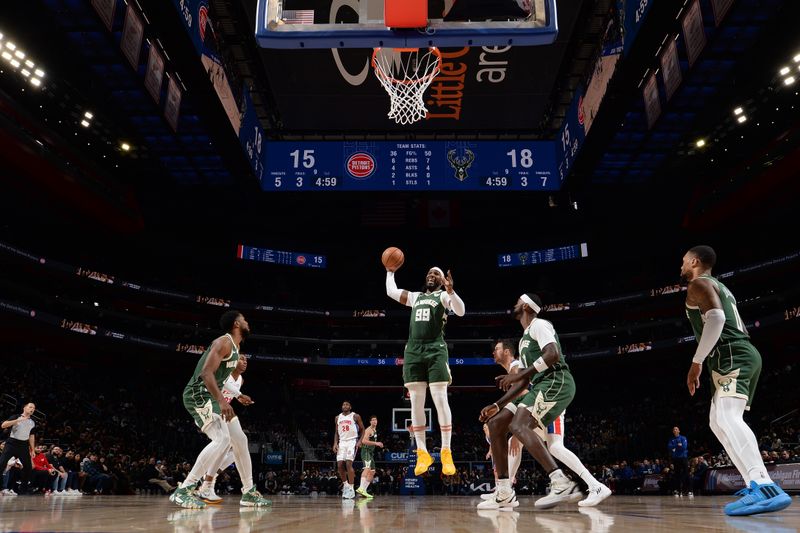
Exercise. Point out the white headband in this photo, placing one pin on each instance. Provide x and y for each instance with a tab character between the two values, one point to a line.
439	270
528	300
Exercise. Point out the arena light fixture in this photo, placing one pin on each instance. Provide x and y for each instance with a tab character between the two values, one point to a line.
788	80
6	56
88	115
25	72
36	82
796	58
738	111
700	143
11	46
125	147
741	119
85	123
784	71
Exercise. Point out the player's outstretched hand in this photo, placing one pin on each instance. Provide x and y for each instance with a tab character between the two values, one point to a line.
244	399
693	378
379	444
507	381
448	282
226	411
488	412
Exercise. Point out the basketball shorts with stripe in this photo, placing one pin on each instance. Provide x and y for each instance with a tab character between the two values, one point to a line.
549	397
734	369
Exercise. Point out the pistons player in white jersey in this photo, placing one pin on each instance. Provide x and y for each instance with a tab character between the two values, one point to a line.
348	427
239	451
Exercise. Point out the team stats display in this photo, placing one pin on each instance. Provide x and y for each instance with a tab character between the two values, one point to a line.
549	255
410	165
280	257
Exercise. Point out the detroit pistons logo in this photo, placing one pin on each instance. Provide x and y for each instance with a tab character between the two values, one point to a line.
301	260
361	165
581	115
202	19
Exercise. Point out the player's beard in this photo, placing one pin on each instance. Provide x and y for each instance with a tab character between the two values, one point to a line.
244	332
684	279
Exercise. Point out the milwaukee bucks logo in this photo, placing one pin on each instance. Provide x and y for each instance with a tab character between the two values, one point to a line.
725	383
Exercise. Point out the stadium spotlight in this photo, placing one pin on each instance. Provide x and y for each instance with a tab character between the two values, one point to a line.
88	115
700	143
85	123
788	80
796	58
784	71
741	119
125	147
738	111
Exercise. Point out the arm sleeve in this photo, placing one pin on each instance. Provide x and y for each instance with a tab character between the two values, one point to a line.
232	387
712	329
394	293
454	302
543	332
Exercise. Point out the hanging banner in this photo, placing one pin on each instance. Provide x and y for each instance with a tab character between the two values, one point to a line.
720	8
132	34
172	107
671	68
154	76
105	9
694	34
652	102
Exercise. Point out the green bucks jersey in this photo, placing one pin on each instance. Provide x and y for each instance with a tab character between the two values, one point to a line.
226	366
428	317
539	334
734	329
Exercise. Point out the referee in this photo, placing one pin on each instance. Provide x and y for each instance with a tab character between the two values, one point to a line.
21	442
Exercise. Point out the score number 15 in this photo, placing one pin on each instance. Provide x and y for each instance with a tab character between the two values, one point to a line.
308	161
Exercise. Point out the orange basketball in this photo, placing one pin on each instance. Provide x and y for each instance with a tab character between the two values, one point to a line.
392	258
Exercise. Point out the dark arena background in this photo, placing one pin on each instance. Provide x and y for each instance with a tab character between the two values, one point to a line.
163	162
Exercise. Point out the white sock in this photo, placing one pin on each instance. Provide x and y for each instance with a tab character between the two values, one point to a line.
514	461
729	412
555	444
558	475
439	396
504	486
364	484
417	391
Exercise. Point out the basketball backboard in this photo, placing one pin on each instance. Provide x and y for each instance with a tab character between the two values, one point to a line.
360	24
401	419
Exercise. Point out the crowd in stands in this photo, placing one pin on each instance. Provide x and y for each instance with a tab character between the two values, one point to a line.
126	435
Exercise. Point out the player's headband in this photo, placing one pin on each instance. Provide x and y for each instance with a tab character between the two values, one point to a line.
528	300
439	270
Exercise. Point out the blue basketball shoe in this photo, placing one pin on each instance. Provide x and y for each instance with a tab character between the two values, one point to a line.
758	499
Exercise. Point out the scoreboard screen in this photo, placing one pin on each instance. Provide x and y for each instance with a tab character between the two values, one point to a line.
410	165
549	255
279	257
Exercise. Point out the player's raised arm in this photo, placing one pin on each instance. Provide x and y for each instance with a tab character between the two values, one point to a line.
220	349
400	295
450	299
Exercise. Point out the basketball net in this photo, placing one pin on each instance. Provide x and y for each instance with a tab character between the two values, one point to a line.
406	73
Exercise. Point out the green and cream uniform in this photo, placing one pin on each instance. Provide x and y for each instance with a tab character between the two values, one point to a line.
425	358
551	391
734	364
368	452
196	398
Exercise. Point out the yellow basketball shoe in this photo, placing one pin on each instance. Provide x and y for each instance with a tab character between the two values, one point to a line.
424	461
448	468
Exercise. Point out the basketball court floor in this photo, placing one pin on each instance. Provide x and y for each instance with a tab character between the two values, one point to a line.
440	514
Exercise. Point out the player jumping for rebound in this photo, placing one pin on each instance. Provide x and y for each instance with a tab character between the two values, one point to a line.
425	358
203	398
552	390
368	444
345	441
239	452
734	365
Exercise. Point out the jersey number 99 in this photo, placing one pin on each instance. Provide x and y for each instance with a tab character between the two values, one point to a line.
423	315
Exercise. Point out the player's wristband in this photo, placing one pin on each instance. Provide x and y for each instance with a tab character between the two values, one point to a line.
495	404
540	365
